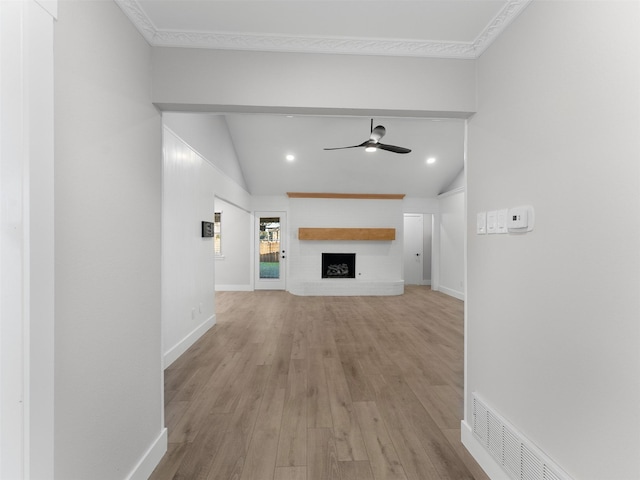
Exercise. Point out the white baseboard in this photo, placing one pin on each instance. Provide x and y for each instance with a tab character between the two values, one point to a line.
234	288
174	352
150	459
481	455
451	292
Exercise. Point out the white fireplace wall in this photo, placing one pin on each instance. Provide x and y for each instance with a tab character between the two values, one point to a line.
376	261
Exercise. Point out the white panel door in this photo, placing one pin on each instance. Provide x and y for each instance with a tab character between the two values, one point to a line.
413	249
271	254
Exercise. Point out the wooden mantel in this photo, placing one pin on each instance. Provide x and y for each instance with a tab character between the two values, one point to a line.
363	196
347	234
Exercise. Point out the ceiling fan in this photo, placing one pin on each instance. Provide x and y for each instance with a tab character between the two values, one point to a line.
373	143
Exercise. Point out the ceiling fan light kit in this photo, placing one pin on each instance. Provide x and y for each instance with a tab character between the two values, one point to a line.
373	143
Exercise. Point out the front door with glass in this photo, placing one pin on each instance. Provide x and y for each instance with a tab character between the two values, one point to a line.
270	251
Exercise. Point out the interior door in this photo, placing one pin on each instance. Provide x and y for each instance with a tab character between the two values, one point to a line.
270	271
413	249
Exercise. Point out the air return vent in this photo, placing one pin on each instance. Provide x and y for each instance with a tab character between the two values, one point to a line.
517	456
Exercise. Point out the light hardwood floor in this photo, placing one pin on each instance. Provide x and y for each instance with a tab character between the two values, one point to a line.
315	388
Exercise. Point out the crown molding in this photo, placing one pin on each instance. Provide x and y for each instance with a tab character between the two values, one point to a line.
139	18
330	45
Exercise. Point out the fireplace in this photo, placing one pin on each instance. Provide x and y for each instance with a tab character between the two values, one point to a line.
338	265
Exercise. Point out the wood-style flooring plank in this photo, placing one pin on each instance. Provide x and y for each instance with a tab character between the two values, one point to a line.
230	458
441	401
197	462
355	470
437	447
171	461
322	455
383	458
292	446
355	375
348	437
243	418
453	436
261	457
321	388
188	425
318	404
290	473
413	456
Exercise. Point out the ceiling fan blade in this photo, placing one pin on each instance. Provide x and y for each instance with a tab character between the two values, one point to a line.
363	144
392	148
342	148
377	133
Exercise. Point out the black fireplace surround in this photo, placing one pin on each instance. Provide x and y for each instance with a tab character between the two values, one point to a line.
338	265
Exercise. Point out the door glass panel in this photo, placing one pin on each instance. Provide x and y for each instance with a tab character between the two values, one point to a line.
269	247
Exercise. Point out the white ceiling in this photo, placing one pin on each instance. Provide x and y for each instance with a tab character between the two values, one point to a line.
424	28
263	141
427	28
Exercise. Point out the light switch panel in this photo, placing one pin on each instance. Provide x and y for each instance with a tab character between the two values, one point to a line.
481	223
502	221
492	221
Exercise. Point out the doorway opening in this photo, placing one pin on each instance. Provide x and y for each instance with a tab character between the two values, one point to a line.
270	251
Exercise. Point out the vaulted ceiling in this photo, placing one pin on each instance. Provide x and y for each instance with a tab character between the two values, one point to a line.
419	28
263	142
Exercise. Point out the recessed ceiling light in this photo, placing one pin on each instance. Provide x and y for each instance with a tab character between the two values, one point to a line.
290	158
431	160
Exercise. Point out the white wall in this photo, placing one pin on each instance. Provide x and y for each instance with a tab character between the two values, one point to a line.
456	183
451	244
427	247
553	337
209	136
193	78
192	186
429	207
187	258
26	245
375	260
233	267
108	376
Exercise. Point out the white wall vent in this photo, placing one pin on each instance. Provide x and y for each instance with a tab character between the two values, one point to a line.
517	455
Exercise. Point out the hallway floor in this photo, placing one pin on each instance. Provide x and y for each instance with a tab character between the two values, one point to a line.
315	388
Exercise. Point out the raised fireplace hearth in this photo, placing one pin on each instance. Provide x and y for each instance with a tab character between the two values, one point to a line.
338	265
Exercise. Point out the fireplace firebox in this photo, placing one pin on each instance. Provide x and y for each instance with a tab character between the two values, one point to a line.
338	265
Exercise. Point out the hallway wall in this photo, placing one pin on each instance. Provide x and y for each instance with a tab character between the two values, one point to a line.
552	329
192	184
234	267
451	244
209	136
108	375
187	258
